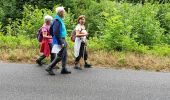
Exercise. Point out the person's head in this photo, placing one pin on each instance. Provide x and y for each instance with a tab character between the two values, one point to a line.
81	19
48	19
60	11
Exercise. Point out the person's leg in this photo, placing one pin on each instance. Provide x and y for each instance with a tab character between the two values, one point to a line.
64	60
57	59
39	60
85	56
76	63
64	57
79	57
52	56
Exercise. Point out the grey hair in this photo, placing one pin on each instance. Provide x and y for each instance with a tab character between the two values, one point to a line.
48	18
59	9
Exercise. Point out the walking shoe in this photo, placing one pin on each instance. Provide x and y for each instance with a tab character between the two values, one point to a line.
87	66
39	62
77	66
65	71
50	71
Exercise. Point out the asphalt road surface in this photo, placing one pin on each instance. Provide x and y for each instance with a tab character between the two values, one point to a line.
31	82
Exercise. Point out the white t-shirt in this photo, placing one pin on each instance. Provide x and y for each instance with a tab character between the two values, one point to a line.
79	40
81	28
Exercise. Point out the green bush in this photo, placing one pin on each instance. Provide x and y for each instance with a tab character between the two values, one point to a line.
112	26
132	27
145	29
160	50
17	42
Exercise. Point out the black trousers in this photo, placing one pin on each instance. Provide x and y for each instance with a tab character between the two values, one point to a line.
62	55
82	53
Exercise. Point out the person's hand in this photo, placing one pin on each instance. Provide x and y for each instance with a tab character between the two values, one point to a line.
86	34
50	37
62	45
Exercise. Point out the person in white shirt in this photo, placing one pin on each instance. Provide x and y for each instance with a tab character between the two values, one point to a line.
80	43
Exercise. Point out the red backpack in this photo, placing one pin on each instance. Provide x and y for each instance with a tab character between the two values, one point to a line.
73	36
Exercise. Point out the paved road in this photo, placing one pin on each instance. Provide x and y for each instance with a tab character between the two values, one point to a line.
30	82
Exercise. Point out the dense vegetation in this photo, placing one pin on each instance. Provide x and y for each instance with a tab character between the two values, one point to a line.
141	26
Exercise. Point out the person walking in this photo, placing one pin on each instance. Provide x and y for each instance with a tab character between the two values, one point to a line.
59	33
46	43
80	43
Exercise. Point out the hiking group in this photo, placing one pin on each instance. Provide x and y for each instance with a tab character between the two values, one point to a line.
52	39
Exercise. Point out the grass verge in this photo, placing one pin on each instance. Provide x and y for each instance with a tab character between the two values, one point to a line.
118	60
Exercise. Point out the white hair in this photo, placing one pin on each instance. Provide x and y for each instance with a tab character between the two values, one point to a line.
48	18
59	9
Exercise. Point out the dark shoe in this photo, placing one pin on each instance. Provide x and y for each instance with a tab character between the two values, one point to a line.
65	71
87	66
77	67
39	62
80	68
50	71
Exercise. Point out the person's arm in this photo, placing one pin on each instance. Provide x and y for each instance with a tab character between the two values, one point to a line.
78	33
44	33
56	31
46	36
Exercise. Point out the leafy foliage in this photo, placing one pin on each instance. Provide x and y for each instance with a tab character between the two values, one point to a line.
113	25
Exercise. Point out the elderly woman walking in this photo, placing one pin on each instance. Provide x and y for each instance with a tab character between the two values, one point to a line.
59	33
46	44
80	43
